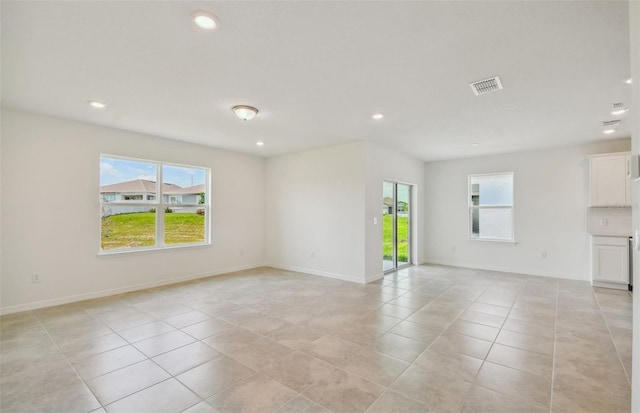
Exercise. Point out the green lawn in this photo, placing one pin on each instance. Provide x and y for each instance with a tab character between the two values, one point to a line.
138	230
387	238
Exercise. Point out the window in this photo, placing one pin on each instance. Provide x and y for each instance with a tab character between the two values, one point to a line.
138	204
491	207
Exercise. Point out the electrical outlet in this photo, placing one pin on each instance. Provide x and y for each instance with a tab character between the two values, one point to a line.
35	278
241	252
375	221
313	254
544	255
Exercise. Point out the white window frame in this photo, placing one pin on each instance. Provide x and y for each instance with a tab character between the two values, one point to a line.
159	206
472	207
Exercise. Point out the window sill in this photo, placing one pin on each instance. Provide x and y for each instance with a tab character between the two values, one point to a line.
500	241
151	249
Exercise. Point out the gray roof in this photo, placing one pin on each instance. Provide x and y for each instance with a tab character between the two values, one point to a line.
143	186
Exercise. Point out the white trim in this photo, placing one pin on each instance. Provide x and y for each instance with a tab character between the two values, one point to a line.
159	205
501	241
512	207
603	155
616	286
343	277
118	251
519	271
375	277
136	287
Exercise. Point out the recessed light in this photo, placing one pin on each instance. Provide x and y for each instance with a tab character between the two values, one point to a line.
260	143
204	20
608	131
245	112
619	111
96	104
475	144
628	81
377	116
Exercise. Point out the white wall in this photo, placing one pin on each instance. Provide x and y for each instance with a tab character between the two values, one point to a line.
50	210
634	35
550	193
385	164
314	211
321	205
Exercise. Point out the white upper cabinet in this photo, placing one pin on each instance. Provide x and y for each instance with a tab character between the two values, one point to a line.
608	181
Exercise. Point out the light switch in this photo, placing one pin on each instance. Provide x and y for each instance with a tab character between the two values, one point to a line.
375	221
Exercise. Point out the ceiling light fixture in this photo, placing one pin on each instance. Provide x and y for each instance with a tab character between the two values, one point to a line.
245	112
377	116
96	104
617	108
608	131
204	20
619	111
475	144
260	143
628	81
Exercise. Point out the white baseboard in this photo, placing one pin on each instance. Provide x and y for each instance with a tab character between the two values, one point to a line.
615	286
374	277
104	293
509	270
334	275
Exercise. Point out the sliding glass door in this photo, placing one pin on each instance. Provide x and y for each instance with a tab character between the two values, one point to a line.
396	225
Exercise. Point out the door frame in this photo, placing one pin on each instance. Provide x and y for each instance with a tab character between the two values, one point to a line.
409	262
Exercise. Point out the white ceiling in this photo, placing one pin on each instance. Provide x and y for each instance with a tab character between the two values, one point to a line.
318	71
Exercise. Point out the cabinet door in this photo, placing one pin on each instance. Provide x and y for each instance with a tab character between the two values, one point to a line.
611	263
608	180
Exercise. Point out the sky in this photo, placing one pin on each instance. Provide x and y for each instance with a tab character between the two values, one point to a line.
114	170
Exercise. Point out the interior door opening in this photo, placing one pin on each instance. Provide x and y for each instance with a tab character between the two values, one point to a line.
396	225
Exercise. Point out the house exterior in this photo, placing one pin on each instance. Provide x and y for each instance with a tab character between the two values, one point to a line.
140	191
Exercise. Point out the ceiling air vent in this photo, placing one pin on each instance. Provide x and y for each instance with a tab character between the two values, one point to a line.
485	86
610	123
617	105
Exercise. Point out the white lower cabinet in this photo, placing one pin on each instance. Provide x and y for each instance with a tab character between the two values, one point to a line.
610	260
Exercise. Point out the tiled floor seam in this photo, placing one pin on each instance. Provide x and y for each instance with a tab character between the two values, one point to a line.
615	345
466	396
424	351
182	301
67	360
555	341
129	343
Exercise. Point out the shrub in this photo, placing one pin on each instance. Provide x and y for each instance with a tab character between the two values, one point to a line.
152	210
200	212
168	210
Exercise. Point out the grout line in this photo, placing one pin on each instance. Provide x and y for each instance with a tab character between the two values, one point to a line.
606	323
159	293
484	361
67	359
555	343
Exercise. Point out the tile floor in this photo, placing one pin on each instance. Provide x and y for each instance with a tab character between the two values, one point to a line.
424	339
